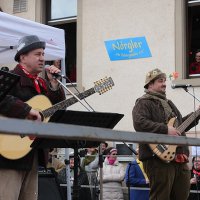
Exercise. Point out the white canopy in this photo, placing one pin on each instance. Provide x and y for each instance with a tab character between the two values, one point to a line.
12	28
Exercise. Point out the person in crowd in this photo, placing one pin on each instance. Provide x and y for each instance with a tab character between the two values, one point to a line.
71	166
22	174
89	157
195	179
195	66
90	166
54	162
62	178
151	113
136	177
104	146
113	175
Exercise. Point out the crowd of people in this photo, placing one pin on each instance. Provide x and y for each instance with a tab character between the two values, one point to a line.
116	176
151	113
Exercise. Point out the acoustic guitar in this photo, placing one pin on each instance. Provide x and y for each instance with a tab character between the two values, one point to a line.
16	147
167	152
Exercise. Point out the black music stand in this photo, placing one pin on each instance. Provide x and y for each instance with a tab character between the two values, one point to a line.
7	81
94	119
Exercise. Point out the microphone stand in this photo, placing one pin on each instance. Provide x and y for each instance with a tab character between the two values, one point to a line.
133	150
70	91
186	89
75	184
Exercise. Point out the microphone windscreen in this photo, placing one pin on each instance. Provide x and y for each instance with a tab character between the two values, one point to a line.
4	68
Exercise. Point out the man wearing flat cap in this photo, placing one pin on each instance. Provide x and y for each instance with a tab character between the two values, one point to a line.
18	177
169	179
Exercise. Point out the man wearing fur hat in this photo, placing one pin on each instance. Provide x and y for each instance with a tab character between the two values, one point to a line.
20	176
151	113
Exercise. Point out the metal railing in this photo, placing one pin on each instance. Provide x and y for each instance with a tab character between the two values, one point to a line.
75	132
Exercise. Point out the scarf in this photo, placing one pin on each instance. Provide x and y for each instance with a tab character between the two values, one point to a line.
36	80
111	161
164	102
196	172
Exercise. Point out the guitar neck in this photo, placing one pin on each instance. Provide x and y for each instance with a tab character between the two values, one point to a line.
66	103
188	121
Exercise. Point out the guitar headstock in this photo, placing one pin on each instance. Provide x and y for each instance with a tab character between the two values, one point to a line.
103	85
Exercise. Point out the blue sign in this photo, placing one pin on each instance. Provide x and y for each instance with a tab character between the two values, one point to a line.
129	48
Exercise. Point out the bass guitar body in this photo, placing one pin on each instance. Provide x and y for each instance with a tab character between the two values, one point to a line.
163	151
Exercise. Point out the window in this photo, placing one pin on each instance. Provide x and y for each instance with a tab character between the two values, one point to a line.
125	154
63	9
62	14
70	40
186	40
193	38
19	6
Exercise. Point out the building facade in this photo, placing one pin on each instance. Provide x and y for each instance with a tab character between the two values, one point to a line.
167	27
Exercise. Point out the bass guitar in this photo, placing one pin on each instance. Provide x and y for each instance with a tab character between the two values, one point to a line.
167	152
15	147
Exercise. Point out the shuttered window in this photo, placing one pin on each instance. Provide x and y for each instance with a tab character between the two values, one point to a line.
19	6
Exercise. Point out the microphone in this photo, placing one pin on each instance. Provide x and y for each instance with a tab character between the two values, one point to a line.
55	75
4	68
174	86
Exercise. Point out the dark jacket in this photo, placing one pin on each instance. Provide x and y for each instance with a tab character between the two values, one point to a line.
14	106
149	116
135	178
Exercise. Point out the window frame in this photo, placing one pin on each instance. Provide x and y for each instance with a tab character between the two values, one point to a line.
181	44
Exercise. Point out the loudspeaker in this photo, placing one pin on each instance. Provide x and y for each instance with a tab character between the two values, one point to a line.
48	187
